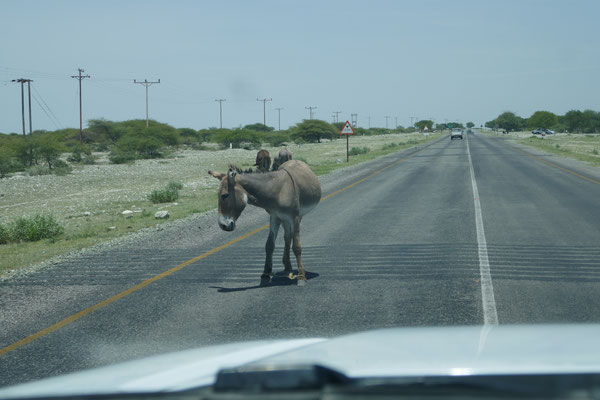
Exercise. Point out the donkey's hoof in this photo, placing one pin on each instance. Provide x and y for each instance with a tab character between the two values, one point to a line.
265	279
301	282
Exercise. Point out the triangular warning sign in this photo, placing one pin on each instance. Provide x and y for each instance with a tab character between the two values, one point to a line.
347	130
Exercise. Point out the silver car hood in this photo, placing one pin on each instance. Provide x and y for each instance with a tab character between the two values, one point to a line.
398	352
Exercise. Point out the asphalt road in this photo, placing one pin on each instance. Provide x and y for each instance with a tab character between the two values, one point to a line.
400	248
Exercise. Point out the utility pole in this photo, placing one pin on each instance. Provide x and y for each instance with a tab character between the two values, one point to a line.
80	78
147	84
279	116
386	121
310	112
221	110
264	109
354	118
369	122
22	82
396	118
337	116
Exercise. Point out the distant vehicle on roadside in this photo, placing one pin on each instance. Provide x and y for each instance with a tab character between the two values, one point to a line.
456	133
542	131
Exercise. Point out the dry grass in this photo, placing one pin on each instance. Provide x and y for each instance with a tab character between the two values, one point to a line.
583	147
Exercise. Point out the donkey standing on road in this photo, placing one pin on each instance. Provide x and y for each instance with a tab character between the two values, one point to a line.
286	194
283	156
263	161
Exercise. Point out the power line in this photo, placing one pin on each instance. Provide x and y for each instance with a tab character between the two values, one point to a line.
46	109
80	78
310	112
221	110
147	84
264	109
35	91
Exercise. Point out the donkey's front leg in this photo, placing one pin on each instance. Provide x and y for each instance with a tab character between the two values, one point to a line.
297	247
269	248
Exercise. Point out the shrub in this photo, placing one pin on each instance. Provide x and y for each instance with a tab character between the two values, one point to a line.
389	146
595	152
163	195
276	139
358	150
4	237
174	185
37	170
31	229
131	147
239	138
81	154
49	149
6	165
61	168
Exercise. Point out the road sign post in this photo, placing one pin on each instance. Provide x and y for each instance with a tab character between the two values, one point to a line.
347	130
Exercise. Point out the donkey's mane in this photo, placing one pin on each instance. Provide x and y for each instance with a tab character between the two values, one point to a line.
241	171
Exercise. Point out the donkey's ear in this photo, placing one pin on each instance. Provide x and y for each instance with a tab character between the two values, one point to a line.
217	175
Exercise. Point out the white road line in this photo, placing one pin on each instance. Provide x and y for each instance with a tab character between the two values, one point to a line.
490	315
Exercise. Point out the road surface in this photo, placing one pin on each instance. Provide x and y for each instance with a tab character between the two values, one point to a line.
460	232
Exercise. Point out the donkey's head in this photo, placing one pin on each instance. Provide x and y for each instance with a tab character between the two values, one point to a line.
232	199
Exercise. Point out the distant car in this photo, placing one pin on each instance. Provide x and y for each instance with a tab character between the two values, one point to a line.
456	133
542	132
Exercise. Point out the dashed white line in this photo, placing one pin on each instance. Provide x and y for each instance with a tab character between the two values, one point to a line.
490	315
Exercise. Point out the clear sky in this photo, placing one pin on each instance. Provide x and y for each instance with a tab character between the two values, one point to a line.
455	60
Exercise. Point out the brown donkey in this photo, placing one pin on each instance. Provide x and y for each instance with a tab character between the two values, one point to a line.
263	161
283	156
286	194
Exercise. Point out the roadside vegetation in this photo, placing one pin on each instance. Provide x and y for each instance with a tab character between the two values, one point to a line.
574	121
118	169
580	147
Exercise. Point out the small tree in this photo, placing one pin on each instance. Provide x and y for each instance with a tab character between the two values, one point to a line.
509	121
424	123
258	127
313	130
470	125
542	119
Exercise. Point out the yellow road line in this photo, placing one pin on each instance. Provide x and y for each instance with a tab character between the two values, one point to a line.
145	283
556	165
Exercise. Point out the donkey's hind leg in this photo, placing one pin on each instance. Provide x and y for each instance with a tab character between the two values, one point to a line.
297	247
287	236
269	248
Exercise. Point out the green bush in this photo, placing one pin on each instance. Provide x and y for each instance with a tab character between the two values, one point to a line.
31	229
174	185
390	146
163	195
81	154
6	165
4	234
358	150
595	152
238	138
61	168
276	139
37	170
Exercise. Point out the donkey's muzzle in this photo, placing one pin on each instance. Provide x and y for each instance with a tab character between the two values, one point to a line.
227	224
